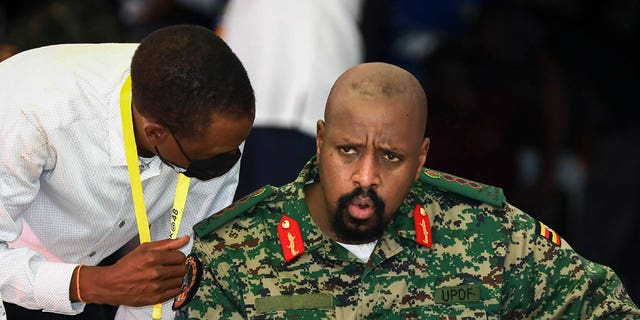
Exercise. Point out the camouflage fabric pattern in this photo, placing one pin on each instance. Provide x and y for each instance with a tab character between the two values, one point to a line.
486	262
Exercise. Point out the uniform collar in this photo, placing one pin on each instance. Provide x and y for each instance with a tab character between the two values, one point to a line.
401	228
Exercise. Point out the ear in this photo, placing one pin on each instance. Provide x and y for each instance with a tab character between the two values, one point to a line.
155	132
320	125
424	148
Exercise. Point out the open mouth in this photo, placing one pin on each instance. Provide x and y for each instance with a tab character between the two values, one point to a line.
361	208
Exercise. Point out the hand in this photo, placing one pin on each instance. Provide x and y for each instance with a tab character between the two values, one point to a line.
151	273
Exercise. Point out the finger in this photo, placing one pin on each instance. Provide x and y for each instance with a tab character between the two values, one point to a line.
170	294
168	258
173	272
168	284
160	273
169	244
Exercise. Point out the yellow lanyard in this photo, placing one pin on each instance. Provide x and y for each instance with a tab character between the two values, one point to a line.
182	186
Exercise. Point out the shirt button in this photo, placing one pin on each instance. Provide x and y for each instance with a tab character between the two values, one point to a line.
92	254
121	224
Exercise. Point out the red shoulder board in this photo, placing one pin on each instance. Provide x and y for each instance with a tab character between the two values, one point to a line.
290	238
422	225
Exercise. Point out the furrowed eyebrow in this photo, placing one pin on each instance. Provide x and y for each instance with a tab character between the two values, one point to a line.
351	145
394	152
349	142
388	148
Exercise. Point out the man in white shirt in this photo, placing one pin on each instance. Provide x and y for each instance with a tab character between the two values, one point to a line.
77	122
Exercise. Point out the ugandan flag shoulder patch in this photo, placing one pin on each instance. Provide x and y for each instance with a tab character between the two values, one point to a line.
548	233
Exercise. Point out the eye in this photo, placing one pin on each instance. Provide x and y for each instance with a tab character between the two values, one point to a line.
347	149
390	157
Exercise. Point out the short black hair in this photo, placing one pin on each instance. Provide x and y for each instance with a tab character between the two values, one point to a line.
184	75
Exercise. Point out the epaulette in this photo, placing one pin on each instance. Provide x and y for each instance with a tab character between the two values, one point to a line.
470	189
249	201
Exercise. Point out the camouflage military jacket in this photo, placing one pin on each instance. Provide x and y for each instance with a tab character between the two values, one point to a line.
475	257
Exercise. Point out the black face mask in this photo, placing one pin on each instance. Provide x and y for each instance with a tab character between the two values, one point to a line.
204	169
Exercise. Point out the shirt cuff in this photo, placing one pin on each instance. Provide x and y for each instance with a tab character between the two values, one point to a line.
51	289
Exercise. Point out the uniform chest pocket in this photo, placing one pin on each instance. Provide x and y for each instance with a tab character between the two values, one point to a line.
303	306
298	314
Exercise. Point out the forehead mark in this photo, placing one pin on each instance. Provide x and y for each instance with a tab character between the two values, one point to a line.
370	87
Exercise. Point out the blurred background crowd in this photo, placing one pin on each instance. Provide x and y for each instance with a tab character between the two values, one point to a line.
534	96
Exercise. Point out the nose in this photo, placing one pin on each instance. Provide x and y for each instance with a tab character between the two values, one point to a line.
367	173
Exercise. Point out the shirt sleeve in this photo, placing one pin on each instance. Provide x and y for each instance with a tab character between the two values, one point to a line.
27	278
3	314
546	279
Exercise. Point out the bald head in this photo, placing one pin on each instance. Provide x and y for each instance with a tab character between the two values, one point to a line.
372	139
378	81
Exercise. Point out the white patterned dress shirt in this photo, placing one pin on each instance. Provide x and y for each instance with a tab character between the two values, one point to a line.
65	196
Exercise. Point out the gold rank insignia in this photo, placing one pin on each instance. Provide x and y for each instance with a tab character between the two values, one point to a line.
548	233
290	238
422	225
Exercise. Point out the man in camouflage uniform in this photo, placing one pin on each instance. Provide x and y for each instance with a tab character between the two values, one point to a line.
365	232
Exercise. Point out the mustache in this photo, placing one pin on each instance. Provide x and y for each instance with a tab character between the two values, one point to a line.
347	228
360	192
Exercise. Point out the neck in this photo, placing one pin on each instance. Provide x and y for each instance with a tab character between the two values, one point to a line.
314	199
